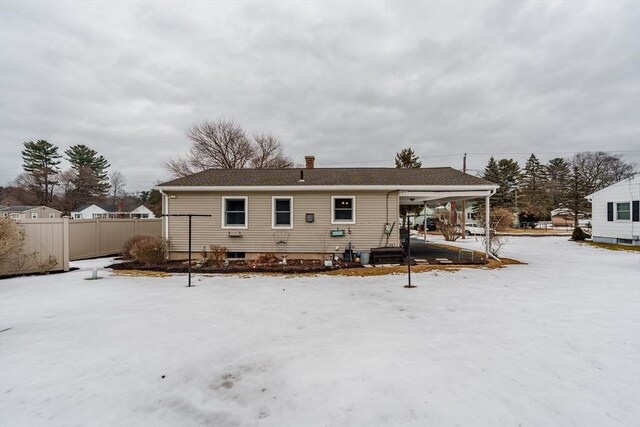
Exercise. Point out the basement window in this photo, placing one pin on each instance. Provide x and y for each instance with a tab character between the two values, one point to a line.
235	255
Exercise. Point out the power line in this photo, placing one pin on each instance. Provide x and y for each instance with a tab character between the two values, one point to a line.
488	154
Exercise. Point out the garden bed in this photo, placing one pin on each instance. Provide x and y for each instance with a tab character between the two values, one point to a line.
240	266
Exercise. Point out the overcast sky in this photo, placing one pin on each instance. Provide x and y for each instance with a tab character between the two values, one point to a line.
349	82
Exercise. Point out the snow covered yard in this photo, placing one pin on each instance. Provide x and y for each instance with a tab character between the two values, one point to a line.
552	343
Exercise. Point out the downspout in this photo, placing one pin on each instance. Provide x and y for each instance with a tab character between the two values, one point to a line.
165	211
387	213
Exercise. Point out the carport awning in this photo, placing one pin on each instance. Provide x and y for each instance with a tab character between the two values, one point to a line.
436	198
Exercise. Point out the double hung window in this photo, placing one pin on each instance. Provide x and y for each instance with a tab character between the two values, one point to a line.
234	212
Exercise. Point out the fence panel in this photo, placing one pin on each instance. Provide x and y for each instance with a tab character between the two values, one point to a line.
82	238
45	248
51	243
90	238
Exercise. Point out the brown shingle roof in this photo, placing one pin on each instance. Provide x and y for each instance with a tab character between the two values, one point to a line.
327	176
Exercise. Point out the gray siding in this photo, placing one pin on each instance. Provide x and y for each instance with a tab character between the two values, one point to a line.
259	237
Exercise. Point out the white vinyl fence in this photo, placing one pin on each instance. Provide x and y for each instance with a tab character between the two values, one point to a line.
51	243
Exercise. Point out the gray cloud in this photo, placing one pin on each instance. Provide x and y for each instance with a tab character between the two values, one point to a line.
352	83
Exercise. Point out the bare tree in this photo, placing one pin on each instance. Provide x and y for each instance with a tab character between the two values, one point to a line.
600	169
118	182
179	167
223	144
269	154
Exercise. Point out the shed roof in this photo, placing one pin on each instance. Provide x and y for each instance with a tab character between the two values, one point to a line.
327	177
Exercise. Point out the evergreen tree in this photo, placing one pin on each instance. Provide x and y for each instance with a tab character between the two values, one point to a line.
509	181
40	162
491	171
407	158
90	172
578	188
535	196
558	175
506	174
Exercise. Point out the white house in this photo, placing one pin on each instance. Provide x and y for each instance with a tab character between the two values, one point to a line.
615	212
142	212
111	211
89	212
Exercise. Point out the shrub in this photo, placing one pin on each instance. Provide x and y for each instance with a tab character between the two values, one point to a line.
126	249
450	232
46	265
217	254
150	250
11	238
578	234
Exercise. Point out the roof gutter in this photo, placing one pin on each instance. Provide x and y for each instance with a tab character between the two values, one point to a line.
229	188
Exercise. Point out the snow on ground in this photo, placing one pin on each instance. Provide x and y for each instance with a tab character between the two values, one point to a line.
552	343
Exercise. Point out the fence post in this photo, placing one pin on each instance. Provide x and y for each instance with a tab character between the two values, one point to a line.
135	226
97	237
65	243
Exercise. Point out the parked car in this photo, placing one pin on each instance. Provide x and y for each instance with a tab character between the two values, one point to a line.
471	229
431	224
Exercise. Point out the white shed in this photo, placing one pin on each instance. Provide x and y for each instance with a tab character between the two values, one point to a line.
615	212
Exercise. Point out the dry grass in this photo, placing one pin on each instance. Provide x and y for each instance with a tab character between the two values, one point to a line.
402	269
140	273
536	231
612	247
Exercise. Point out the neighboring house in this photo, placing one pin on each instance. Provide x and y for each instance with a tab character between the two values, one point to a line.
142	212
306	212
616	212
30	212
94	210
563	217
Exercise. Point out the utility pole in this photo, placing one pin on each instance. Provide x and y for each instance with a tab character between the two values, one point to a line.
464	212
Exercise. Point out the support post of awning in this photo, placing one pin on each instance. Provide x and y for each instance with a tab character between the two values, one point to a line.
487	228
424	212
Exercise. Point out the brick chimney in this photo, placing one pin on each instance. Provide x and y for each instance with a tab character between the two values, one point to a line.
309	160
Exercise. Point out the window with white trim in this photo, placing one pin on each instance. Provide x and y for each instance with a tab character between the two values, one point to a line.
343	209
52	215
77	216
623	211
34	215
14	215
234	212
282	212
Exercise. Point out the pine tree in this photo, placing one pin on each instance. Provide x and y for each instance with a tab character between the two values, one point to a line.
535	196
558	175
577	190
491	171
90	171
509	181
406	158
506	174
40	161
